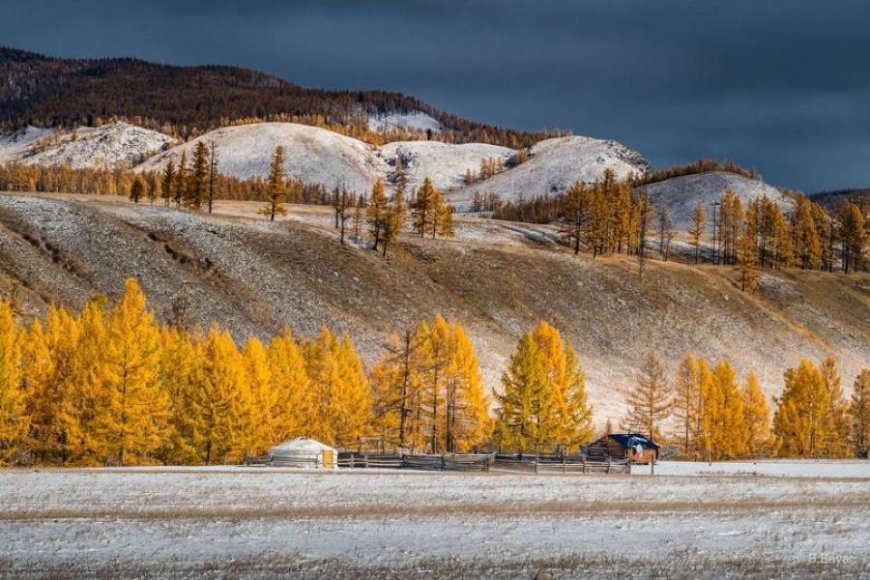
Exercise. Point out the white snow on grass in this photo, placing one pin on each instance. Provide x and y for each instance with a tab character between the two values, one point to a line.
554	165
183	522
444	163
680	194
774	468
112	145
312	154
415	120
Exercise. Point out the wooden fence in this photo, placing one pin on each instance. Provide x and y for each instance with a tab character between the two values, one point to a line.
558	464
445	462
523	463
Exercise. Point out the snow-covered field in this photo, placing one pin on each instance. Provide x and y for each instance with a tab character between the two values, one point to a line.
190	522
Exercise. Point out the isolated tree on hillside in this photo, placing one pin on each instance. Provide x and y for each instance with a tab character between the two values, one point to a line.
859	411
425	208
649	401
276	186
137	190
357	220
179	188
666	233
197	186
168	177
152	187
376	212
644	212
699	224
576	200
341	202
212	176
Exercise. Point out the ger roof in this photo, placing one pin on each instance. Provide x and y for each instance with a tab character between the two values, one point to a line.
300	445
626	439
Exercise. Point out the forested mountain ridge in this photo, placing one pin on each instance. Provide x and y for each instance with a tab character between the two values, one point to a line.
46	91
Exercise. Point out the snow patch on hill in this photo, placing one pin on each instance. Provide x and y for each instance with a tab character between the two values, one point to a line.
444	163
312	154
113	145
555	164
415	120
680	194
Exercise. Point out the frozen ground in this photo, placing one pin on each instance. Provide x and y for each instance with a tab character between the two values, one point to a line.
190	522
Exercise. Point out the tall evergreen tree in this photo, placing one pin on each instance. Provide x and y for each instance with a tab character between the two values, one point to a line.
276	186
198	184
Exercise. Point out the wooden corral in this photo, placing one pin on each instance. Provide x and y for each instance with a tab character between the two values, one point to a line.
633	447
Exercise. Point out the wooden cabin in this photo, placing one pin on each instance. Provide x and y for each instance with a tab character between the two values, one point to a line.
632	446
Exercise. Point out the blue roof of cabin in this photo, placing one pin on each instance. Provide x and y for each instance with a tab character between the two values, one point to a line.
633	439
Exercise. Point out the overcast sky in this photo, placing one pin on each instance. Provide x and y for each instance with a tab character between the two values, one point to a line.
781	86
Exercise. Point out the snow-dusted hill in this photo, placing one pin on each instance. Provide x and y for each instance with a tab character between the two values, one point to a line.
312	154
414	120
444	163
555	164
680	194
112	145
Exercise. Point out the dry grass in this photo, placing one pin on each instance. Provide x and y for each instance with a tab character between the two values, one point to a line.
497	279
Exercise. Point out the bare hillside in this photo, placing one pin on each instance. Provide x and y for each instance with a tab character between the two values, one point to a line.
311	154
444	163
112	145
497	279
680	194
554	165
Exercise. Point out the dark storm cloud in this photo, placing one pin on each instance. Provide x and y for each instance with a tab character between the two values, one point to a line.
782	86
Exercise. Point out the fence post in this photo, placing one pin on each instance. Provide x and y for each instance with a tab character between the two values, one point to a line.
628	466
608	465
366	460
563	463
536	463
443	462
352	460
584	464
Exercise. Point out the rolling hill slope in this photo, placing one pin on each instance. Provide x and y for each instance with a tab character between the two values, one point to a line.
498	279
555	164
112	145
680	194
311	154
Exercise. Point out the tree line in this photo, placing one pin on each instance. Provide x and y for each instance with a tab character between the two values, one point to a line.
110	385
714	417
610	217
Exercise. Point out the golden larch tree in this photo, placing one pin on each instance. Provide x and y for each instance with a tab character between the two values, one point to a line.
14	420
